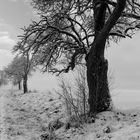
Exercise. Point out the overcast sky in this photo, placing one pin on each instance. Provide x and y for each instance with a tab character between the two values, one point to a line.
14	14
124	57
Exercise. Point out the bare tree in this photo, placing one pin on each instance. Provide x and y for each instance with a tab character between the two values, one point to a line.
70	30
19	70
14	71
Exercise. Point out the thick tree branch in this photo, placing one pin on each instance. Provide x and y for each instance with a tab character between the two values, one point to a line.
113	18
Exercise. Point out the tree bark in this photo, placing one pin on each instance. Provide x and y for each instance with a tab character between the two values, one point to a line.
25	88
99	96
97	67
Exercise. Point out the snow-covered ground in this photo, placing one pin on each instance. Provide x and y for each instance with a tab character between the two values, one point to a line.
27	116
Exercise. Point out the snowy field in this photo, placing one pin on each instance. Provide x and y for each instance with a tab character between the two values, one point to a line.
27	116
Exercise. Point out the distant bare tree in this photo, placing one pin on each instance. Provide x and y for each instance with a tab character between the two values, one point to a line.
19	70
70	30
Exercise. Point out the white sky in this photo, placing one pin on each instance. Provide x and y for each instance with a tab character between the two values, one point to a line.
124	58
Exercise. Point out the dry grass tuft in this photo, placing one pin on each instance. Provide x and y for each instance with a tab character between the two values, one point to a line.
75	96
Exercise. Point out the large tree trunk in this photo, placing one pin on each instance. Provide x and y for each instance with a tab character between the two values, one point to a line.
97	65
99	96
97	68
25	88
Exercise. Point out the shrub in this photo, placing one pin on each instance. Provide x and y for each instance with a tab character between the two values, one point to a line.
74	95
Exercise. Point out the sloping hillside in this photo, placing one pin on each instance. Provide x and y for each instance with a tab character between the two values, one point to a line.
28	117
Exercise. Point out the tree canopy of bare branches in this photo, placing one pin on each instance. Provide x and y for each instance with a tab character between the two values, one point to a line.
66	29
19	70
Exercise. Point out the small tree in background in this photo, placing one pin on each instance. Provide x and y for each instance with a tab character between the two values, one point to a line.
19	70
14	72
